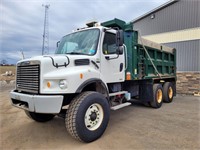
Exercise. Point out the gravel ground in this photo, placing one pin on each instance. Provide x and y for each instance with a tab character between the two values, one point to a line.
174	126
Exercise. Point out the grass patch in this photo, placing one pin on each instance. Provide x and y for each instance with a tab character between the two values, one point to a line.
3	69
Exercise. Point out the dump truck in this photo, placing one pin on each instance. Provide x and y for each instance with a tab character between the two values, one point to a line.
96	69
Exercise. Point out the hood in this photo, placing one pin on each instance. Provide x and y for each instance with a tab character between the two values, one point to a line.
59	60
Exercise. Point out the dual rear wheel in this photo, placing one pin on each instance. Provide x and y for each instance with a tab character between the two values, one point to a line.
162	94
168	91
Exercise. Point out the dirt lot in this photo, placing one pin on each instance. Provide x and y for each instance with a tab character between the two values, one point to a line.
4	69
174	126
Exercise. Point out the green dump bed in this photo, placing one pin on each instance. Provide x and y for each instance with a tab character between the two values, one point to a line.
146	59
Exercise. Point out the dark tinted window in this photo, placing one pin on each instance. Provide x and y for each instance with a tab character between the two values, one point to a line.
109	43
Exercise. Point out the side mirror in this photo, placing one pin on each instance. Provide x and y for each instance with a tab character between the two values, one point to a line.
119	38
57	44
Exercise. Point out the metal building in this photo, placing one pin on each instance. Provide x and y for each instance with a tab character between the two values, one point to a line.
177	24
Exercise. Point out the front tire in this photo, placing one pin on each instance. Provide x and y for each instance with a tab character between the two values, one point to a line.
87	116
39	117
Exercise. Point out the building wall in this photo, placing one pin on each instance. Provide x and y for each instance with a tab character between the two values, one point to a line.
178	25
188	82
175	36
188	55
181	15
188	64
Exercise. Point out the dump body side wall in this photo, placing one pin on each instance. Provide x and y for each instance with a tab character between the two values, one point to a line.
139	64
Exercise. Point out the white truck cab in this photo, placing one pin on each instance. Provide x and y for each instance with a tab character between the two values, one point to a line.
85	60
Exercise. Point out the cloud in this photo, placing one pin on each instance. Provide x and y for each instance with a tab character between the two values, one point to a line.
22	21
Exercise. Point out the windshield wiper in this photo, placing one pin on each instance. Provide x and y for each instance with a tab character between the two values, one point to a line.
76	53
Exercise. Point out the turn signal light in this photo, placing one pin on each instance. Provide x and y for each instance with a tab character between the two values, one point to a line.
128	76
48	84
81	76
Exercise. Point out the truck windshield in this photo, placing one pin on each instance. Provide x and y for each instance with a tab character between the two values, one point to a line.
82	43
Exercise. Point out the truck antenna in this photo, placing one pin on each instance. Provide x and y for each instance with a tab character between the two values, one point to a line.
45	44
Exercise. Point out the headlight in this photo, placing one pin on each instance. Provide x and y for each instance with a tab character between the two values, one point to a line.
63	84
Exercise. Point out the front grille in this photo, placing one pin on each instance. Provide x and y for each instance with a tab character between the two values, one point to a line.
28	78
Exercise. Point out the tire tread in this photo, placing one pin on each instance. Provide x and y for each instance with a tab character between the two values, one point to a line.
165	92
70	119
154	103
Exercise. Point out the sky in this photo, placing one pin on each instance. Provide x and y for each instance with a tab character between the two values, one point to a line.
22	21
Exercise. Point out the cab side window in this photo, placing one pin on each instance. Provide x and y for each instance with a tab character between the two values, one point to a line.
109	44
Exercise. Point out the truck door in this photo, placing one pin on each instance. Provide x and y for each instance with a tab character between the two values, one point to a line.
112	64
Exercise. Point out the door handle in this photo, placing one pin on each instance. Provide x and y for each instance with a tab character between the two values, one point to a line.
121	66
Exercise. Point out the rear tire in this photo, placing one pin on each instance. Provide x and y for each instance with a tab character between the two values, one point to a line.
87	116
168	92
157	96
39	117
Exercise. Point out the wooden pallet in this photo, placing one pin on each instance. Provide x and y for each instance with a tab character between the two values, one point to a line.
196	93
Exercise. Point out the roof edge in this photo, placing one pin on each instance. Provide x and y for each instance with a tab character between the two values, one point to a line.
155	10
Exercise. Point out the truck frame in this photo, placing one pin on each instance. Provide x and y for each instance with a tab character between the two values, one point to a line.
97	68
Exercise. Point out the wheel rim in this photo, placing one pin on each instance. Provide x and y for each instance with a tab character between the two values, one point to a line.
94	117
170	92
159	96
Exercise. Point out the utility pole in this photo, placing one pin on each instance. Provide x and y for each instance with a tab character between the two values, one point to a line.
45	45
